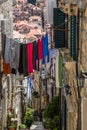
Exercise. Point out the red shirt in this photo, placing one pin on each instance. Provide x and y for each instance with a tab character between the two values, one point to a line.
39	49
29	54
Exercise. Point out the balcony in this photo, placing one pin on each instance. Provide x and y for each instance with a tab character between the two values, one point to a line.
2	1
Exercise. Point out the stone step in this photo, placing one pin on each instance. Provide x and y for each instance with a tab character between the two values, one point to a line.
37	126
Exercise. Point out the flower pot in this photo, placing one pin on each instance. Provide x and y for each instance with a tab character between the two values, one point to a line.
11	128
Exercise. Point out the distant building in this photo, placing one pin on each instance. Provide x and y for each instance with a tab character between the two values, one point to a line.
37	11
36	20
21	1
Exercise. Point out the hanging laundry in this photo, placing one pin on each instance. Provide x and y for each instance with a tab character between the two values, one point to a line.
29	54
39	49
30	86
52	58
6	68
45	51
31	83
20	68
14	55
39	53
7	50
3	39
28	92
35	54
25	63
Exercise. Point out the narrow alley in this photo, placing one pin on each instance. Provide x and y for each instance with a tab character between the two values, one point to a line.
37	126
43	64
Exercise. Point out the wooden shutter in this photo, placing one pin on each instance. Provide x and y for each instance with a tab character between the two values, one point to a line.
60	36
73	37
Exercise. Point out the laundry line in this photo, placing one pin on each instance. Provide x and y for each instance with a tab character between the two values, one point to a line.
29	40
25	40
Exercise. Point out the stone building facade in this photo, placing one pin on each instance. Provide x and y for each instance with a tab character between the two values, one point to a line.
75	118
83	65
69	80
5	27
6	13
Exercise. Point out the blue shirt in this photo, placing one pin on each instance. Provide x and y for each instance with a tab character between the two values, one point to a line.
45	50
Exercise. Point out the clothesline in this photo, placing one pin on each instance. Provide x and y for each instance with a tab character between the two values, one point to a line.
25	40
24	57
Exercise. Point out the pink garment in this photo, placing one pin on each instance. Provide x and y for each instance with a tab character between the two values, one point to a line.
29	53
39	49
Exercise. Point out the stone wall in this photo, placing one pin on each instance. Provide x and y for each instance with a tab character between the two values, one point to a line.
6	17
69	78
6	11
83	48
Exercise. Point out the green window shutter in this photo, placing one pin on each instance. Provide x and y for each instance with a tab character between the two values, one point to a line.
60	36
73	37
60	72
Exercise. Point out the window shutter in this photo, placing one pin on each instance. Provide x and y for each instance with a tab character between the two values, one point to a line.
60	36
73	37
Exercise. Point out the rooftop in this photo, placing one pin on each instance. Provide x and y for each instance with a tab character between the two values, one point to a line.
38	18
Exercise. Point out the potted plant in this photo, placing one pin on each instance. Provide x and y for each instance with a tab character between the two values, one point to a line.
29	117
12	127
22	127
51	118
9	116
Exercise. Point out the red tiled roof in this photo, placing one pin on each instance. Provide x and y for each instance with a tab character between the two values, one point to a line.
35	17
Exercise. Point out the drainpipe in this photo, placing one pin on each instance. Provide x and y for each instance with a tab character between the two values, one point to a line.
79	46
60	127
